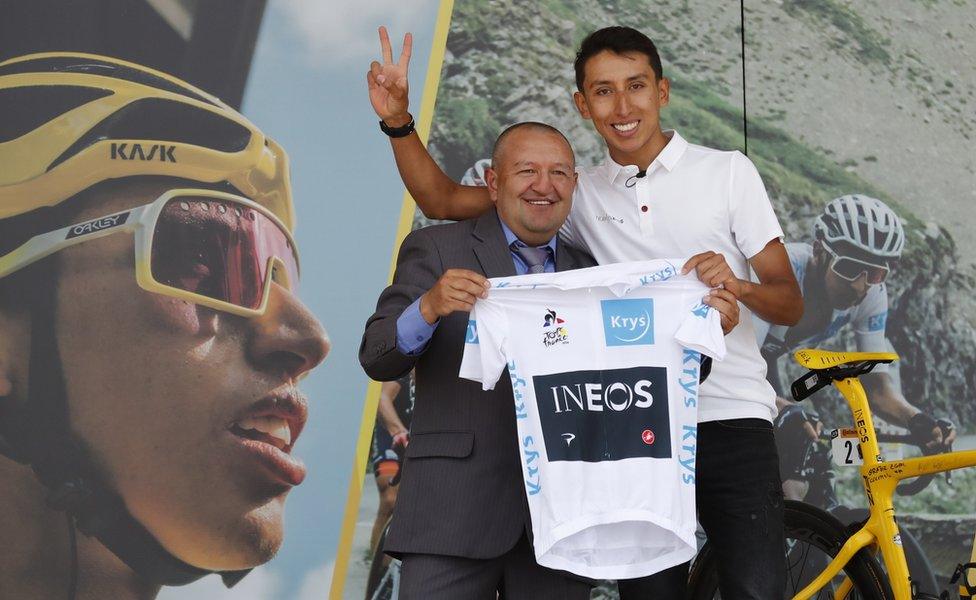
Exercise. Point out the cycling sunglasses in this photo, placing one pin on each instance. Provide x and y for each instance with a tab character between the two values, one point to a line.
211	248
851	269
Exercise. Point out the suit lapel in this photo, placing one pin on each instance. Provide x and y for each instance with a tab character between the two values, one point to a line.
491	248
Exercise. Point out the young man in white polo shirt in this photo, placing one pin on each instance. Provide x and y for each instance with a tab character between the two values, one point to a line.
657	196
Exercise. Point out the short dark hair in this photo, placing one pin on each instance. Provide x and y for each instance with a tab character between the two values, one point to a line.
531	125
616	39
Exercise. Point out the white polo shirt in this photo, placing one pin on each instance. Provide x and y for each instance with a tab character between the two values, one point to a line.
693	199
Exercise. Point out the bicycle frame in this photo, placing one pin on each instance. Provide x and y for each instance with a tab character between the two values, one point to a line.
880	479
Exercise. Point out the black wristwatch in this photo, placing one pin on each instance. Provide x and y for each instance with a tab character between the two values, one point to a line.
398	132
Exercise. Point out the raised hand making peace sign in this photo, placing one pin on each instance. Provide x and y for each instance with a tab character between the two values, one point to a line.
388	82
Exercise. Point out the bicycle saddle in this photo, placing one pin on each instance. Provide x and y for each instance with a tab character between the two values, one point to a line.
826	367
814	359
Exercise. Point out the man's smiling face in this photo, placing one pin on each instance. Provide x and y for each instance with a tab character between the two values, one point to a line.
623	98
532	183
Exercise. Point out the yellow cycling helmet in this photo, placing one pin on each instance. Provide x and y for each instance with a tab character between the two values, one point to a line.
69	120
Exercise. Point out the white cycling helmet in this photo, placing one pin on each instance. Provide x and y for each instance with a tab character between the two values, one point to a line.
861	224
476	174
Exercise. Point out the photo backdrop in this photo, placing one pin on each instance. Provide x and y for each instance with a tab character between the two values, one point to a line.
873	97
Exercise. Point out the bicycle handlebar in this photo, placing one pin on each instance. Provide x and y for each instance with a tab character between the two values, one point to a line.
913	486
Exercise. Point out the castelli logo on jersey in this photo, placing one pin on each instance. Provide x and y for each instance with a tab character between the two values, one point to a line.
648	436
611	414
97	225
135	151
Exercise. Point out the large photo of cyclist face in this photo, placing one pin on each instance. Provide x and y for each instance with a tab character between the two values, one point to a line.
152	335
860	121
150	402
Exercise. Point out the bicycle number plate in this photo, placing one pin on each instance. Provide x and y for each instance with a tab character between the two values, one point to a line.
845	449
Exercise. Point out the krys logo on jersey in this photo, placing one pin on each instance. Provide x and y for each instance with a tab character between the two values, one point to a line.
628	321
596	416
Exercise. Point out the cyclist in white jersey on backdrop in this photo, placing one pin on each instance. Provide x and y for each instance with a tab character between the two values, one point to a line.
858	240
657	196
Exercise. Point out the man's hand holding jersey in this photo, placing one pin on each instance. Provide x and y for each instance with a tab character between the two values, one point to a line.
776	281
457	289
714	272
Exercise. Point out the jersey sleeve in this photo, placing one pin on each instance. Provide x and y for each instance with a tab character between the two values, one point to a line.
701	330
754	224
487	330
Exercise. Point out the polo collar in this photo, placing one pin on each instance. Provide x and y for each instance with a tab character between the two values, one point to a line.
668	158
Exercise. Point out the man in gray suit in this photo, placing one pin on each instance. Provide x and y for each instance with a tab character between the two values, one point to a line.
461	524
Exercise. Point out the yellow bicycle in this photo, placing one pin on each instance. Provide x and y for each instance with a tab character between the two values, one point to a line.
847	563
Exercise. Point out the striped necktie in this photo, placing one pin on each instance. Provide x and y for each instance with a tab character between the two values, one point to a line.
534	258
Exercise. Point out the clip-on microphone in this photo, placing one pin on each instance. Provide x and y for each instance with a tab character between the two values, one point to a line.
632	180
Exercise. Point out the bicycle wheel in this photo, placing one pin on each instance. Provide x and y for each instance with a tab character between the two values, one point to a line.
813	537
383	580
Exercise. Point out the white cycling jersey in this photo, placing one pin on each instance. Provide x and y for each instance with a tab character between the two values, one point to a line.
604	366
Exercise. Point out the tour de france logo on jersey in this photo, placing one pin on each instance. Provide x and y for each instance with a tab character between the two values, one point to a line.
597	416
554	329
628	321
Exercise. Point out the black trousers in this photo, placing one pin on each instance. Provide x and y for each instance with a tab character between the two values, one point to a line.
740	506
512	576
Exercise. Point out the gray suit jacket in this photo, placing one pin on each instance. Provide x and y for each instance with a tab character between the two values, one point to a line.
461	493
